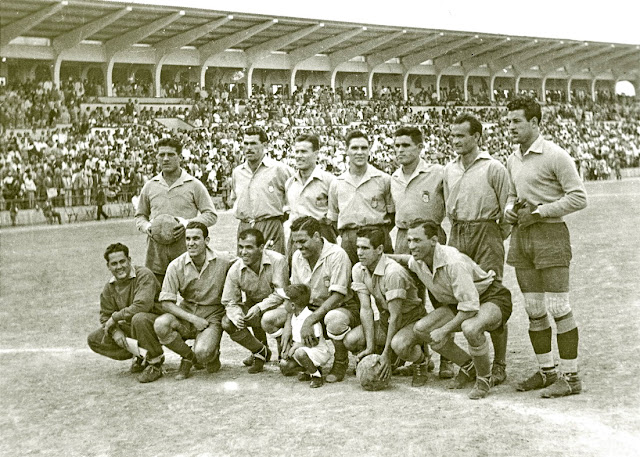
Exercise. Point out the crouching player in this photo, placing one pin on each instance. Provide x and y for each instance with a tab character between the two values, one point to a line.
300	356
128	309
198	276
466	298
397	300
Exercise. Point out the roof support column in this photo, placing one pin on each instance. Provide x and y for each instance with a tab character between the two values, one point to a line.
438	78
292	83
466	87
57	63
334	73
517	86
543	88
405	88
250	81
492	84
108	77
569	79
593	88
157	82
203	74
370	84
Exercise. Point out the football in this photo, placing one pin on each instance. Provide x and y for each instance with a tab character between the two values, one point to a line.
367	372
162	228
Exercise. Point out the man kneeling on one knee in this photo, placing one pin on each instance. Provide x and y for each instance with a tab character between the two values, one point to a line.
465	297
128	308
258	273
198	276
396	297
326	269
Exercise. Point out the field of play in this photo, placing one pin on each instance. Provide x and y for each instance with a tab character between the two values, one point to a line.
59	399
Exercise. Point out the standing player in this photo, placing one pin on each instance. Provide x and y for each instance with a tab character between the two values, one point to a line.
324	267
475	191
396	297
417	191
544	187
174	192
257	273
198	276
465	297
258	189
128	309
307	190
361	196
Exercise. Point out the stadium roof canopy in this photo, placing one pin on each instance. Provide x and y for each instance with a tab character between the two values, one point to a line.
108	32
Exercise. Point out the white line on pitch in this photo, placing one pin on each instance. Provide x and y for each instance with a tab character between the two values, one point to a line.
39	350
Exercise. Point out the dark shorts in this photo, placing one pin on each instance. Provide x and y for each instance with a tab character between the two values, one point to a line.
413	315
497	294
482	241
213	314
540	246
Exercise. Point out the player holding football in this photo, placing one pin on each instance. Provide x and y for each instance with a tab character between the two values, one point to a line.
544	187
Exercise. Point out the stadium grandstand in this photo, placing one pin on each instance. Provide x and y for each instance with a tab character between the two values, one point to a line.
88	87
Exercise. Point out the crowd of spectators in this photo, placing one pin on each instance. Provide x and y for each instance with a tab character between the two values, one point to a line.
110	149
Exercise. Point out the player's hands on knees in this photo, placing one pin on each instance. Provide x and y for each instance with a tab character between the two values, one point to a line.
361	355
109	324
253	313
199	323
385	365
308	337
178	231
121	339
438	336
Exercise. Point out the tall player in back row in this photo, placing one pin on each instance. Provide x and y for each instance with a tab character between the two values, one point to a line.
544	187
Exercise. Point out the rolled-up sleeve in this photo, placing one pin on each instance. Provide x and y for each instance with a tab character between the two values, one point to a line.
463	288
357	276
171	284
396	286
279	280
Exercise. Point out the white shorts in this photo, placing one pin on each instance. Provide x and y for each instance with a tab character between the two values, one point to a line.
319	354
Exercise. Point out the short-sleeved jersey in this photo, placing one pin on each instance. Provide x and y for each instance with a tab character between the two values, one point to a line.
389	281
367	202
310	198
420	197
456	279
331	273
197	288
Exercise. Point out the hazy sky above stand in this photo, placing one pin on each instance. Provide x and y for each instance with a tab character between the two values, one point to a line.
611	21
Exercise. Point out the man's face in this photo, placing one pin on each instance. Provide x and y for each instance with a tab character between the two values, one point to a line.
522	130
249	251
367	254
168	159
407	152
253	148
309	246
463	142
119	265
196	242
358	151
305	156
420	246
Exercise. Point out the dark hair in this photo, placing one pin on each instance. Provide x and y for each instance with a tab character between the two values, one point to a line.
352	134
475	126
170	142
374	234
115	247
412	132
307	224
198	225
311	138
430	229
259	132
298	293
255	233
530	106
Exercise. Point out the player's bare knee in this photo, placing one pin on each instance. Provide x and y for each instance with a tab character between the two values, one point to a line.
228	326
472	330
351	341
162	325
337	324
422	330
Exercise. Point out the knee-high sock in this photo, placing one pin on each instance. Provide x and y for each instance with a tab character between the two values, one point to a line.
481	360
181	348
567	343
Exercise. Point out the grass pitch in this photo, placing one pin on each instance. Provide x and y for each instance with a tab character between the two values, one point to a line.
60	399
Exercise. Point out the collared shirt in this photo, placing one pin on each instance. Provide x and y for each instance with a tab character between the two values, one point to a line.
389	281
331	273
420	196
456	279
478	192
310	198
184	198
259	194
197	288
121	300
354	204
546	176
258	288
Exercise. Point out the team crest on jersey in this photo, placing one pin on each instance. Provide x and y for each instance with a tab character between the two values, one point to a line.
425	196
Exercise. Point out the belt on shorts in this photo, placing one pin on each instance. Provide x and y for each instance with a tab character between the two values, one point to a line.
476	221
252	222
